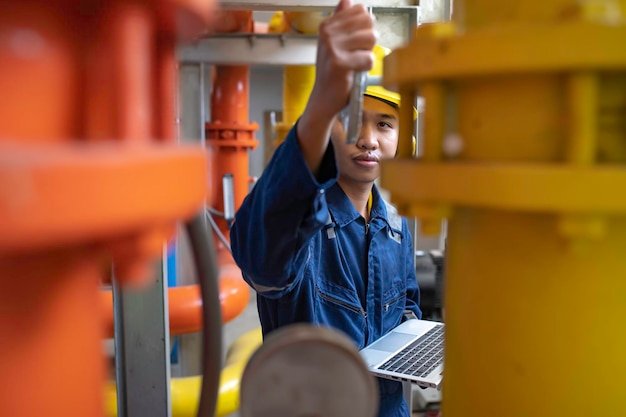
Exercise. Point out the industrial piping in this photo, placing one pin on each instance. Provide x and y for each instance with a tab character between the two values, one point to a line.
80	119
231	88
524	152
298	80
185	305
229	138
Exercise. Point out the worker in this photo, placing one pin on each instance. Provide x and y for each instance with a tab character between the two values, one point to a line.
314	237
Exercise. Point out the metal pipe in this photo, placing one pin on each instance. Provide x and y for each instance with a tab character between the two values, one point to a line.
49	278
185	304
229	197
230	135
298	80
537	226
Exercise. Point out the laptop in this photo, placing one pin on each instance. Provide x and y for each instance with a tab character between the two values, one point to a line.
411	352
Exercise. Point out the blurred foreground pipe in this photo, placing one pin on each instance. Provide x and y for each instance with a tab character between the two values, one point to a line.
525	154
45	314
61	219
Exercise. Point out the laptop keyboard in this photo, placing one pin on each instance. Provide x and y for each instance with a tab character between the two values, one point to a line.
420	357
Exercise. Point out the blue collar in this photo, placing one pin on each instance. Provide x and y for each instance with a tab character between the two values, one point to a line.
343	211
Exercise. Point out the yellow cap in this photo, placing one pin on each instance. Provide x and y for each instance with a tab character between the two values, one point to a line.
377	91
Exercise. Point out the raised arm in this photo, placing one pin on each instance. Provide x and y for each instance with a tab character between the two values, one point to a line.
346	40
288	204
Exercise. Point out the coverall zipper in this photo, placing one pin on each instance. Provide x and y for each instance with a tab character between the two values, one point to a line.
342	303
386	308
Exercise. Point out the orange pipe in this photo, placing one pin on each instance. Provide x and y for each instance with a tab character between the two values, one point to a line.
59	89
185	304
230	97
50	351
38	74
230	136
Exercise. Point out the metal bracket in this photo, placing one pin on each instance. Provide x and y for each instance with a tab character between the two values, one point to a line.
284	49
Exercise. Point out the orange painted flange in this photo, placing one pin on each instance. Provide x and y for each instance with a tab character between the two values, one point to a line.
233	143
64	194
231	134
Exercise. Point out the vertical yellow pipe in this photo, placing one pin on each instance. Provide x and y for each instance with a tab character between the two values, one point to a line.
405	134
297	85
534	328
298	80
582	89
433	94
535	299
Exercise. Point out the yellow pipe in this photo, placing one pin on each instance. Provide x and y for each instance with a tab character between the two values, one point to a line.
533	323
583	102
406	147
297	85
298	80
185	392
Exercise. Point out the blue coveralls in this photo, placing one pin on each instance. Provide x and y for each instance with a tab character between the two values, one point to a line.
311	257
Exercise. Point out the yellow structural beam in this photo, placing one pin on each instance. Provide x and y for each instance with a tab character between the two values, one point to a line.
523	187
506	50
